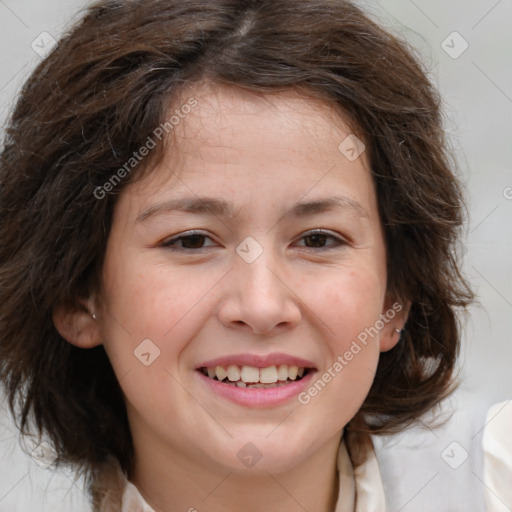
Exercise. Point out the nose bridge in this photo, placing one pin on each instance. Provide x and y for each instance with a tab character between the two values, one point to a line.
258	296
257	267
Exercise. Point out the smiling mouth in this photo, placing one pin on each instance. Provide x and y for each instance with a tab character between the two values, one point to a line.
256	378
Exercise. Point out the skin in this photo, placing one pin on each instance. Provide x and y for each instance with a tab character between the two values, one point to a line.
301	296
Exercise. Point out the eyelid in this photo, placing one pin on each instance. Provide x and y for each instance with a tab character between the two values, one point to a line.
340	241
185	234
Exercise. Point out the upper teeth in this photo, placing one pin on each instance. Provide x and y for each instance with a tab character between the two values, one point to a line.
249	374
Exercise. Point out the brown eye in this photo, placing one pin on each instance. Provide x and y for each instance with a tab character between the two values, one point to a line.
319	239
315	240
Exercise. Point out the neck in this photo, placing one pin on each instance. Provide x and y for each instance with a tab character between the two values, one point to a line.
174	482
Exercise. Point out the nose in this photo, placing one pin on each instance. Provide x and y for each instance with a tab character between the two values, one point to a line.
260	297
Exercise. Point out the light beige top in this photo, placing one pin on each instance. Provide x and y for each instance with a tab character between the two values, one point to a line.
497	444
360	490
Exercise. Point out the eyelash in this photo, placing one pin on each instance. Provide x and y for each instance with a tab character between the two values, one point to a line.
169	243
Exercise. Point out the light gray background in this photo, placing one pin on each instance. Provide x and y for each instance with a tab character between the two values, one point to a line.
477	92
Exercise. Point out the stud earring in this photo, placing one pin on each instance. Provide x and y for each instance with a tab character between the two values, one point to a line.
94	316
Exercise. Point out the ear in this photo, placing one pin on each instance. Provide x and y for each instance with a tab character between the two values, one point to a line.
76	324
394	317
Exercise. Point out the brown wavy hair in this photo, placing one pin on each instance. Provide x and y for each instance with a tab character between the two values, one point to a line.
95	100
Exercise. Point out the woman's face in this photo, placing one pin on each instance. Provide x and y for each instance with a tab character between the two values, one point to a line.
254	248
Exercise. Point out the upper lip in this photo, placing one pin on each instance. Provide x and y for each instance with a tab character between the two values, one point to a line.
258	361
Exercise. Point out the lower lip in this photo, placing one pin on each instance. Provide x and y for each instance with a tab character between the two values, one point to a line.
258	397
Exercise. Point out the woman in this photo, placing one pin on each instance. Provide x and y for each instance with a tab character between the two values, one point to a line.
226	253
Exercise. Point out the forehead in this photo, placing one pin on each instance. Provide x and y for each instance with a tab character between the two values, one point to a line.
243	117
239	142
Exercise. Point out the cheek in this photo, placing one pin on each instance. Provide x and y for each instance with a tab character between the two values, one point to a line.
348	304
152	301
349	308
148	312
343	387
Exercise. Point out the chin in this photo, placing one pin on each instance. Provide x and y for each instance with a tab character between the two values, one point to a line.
260	455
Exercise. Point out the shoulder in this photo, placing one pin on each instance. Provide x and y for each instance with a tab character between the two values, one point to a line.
437	468
497	448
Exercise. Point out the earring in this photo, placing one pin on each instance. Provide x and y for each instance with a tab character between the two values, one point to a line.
94	316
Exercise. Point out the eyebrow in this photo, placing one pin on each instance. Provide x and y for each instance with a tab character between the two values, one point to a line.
221	208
